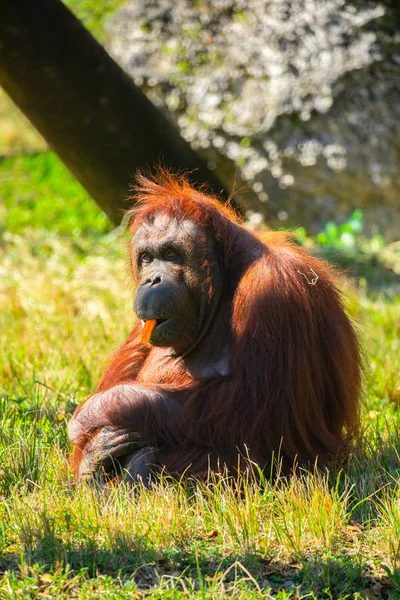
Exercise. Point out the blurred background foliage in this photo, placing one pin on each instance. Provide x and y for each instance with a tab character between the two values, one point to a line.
171	55
168	51
297	99
39	191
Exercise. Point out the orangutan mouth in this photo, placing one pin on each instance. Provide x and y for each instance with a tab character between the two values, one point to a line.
148	327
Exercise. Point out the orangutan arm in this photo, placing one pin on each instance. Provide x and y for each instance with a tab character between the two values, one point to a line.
120	420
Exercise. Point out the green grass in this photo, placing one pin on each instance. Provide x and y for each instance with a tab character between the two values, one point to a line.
65	305
38	191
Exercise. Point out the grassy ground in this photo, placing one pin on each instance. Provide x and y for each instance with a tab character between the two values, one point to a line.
65	304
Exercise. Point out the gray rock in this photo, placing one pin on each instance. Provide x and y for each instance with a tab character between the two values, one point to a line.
298	100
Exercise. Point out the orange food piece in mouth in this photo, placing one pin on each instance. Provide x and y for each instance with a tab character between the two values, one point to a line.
148	329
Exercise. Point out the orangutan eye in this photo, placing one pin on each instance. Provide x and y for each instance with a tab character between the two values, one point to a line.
146	258
170	254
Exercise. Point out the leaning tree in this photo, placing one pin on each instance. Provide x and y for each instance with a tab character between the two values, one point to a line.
86	107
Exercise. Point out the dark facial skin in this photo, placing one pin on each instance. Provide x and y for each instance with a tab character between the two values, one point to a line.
170	259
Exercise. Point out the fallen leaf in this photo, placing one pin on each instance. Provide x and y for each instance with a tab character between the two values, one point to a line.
367	594
211	534
377	588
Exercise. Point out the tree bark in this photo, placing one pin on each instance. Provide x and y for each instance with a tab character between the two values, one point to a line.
86	107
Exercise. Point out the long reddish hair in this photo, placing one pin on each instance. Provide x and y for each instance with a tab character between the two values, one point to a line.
294	382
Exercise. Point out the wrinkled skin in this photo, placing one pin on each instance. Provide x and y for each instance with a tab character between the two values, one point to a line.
168	262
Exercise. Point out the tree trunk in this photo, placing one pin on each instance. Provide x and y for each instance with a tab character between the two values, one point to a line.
90	112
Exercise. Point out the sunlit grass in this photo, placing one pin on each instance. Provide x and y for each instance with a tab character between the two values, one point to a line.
38	191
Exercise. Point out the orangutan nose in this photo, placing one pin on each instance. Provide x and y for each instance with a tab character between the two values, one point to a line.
152	280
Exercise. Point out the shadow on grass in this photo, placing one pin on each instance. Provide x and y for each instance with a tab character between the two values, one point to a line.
203	565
